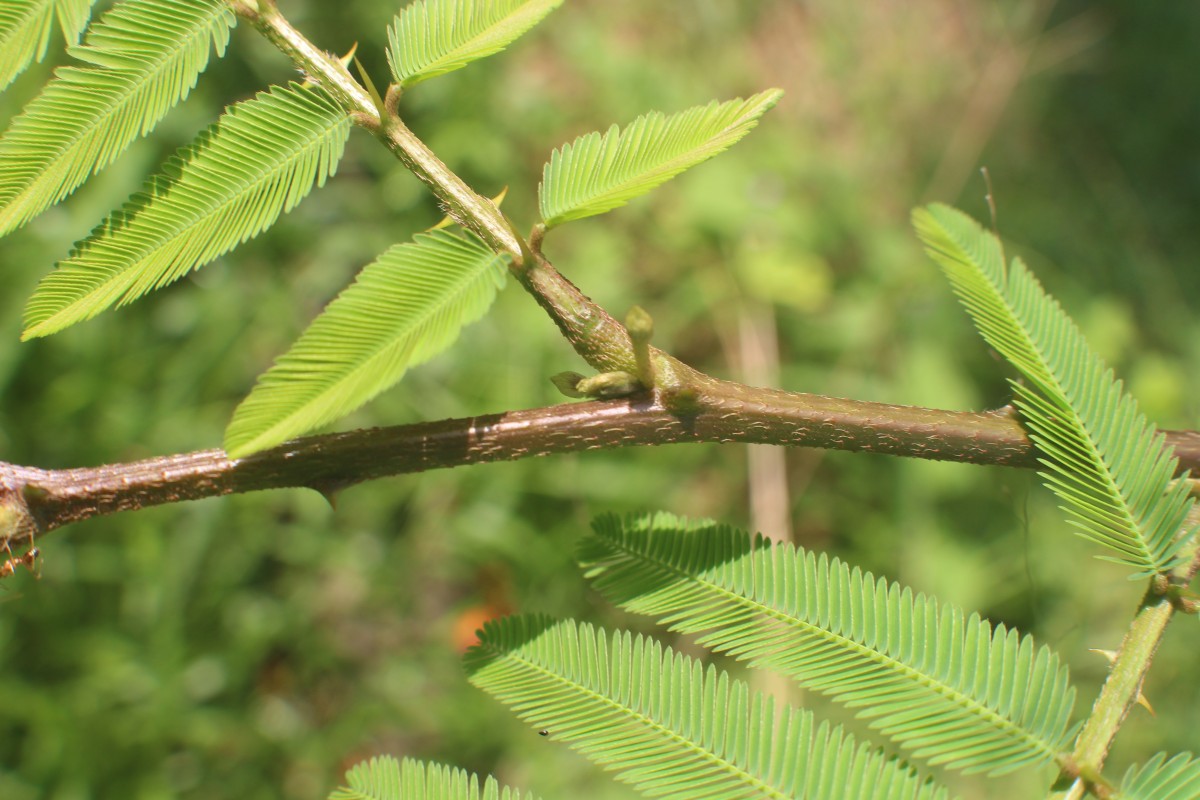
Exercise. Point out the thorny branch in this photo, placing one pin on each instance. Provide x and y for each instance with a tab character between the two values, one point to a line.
37	500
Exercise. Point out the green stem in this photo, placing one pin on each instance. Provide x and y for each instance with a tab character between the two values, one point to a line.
1124	684
594	334
1119	694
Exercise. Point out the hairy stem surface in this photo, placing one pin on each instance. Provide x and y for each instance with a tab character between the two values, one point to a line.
37	501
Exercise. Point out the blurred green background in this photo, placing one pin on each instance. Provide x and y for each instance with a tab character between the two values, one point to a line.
256	646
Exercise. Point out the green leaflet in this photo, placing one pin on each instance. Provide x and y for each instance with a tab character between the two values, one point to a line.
260	159
404	308
25	31
385	778
668	726
144	57
1101	456
597	173
433	37
947	686
1159	779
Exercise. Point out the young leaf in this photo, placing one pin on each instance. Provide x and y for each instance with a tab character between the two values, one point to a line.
1159	779
1102	457
668	726
404	308
946	686
25	31
597	173
433	37
260	159
145	56
385	778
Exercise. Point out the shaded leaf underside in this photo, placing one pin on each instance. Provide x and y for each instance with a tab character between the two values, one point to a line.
385	778
944	685
1102	456
668	726
1163	779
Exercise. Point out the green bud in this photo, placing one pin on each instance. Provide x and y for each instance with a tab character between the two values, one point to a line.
610	384
641	328
639	324
567	383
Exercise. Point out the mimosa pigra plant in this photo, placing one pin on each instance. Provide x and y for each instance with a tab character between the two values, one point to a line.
942	686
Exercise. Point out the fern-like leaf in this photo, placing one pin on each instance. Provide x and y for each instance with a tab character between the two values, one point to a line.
385	778
25	31
145	56
668	726
433	37
403	309
597	173
259	160
949	687
1160	779
1102	457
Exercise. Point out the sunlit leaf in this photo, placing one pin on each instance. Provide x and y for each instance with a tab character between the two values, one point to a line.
143	57
597	173
404	308
259	160
25	27
433	37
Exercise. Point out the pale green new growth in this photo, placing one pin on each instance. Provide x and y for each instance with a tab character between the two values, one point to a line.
404	308
385	778
433	37
1159	779
25	27
597	173
259	160
668	726
144	57
1102	457
946	686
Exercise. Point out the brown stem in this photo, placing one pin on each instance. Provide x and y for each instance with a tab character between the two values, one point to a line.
35	501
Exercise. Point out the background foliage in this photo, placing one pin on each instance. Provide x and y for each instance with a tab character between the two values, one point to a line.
253	647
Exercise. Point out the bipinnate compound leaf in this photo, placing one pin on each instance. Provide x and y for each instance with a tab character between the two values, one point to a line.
600	172
433	37
25	27
1160	779
143	57
260	159
385	778
669	726
946	686
404	308
1101	456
